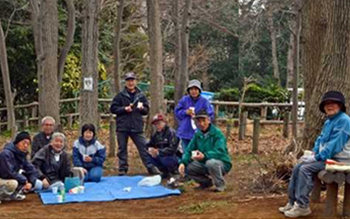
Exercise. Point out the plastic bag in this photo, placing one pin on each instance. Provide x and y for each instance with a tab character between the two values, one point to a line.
71	182
150	181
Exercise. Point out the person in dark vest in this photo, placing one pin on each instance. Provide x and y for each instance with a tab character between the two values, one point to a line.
53	162
43	138
130	105
163	147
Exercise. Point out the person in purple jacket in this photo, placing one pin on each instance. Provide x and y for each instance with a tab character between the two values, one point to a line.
186	110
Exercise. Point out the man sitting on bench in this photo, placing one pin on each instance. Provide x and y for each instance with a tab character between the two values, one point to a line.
331	143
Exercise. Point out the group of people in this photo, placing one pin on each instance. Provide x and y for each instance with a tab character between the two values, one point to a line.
202	156
50	163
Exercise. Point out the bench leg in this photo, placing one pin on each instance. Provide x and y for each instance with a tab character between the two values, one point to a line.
316	191
346	206
332	199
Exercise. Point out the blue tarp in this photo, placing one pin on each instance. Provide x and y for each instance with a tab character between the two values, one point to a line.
110	189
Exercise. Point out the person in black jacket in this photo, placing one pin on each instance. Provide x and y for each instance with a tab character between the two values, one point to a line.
17	174
163	147
52	162
43	138
130	105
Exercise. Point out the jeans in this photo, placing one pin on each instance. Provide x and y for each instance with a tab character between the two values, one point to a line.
302	182
140	142
94	174
200	172
166	164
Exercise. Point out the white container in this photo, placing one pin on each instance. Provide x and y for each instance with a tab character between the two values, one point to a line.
150	181
139	105
308	153
54	190
59	198
194	153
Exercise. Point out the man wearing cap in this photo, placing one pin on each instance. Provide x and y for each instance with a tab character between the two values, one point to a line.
16	172
187	108
332	143
43	138
163	147
130	105
206	159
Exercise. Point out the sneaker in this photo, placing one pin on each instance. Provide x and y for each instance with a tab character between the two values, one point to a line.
15	197
297	211
204	186
153	171
122	173
172	183
287	207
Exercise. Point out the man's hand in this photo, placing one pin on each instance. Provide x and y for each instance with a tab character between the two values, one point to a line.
199	156
182	169
27	187
87	158
46	184
128	109
153	152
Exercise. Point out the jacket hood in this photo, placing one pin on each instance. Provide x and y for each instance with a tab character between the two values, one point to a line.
11	147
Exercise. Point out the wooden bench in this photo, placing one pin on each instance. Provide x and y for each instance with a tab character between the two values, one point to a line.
333	180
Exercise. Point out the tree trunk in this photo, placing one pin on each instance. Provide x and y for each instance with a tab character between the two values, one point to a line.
45	24
325	57
116	50
290	61
88	107
156	57
179	87
11	122
273	43
69	41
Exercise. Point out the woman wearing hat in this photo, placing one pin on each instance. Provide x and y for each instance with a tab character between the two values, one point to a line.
332	143
187	108
89	154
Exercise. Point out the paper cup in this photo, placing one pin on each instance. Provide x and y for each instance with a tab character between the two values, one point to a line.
59	198
307	153
54	190
81	189
139	104
194	153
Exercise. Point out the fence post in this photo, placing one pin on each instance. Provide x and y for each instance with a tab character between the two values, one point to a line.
70	121
112	133
286	124
242	125
216	113
256	133
263	113
25	121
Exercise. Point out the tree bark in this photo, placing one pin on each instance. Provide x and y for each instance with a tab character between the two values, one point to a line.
69	41
325	57
290	61
88	107
156	57
11	122
272	30
116	50
179	91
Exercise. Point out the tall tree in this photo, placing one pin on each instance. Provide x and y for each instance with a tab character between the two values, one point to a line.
116	50
7	84
325	57
88	107
177	35
156	57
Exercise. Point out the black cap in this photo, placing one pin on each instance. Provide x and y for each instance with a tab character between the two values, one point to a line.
130	75
201	114
21	136
335	96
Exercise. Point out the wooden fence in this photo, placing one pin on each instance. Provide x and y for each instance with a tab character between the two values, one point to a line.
28	114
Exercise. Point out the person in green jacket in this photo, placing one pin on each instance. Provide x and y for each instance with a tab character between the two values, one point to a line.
206	159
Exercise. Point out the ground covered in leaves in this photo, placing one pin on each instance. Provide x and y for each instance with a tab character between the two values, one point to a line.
255	187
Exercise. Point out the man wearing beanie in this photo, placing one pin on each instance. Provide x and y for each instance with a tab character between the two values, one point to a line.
332	143
187	108
17	174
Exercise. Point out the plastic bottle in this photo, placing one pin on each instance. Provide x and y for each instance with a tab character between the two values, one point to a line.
63	193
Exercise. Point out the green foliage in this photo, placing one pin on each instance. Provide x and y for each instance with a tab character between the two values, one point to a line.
230	94
271	93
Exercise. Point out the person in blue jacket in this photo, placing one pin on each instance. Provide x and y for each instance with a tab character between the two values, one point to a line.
89	154
332	143
186	110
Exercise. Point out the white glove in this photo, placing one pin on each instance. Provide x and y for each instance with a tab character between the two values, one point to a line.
308	159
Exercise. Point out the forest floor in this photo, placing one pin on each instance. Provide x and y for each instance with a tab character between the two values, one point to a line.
253	191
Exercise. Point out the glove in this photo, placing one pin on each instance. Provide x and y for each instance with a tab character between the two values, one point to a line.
308	159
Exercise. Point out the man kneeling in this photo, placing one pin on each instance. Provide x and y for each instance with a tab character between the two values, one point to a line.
331	143
206	159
